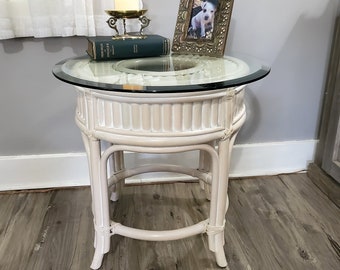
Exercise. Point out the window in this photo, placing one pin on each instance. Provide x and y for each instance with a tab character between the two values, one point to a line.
45	18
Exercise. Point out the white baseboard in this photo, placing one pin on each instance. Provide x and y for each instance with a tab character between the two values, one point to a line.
272	158
70	169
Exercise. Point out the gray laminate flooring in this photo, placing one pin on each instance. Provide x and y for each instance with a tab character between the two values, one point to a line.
273	222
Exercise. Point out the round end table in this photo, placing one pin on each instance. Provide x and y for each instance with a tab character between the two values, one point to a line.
167	104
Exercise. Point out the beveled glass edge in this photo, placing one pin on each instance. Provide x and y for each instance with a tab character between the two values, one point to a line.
259	74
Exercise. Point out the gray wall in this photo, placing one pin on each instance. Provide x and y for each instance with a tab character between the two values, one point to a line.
293	37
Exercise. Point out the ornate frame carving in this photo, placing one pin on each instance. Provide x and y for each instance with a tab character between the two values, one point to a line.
214	44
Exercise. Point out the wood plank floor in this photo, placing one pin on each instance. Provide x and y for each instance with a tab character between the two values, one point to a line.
276	222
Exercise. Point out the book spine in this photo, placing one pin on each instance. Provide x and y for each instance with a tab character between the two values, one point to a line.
106	50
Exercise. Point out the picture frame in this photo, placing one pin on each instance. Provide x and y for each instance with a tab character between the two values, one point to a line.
202	27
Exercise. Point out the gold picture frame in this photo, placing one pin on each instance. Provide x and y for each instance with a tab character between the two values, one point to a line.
210	39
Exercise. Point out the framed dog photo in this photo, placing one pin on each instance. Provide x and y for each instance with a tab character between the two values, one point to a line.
202	27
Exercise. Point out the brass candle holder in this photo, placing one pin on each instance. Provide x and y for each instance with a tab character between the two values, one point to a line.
124	15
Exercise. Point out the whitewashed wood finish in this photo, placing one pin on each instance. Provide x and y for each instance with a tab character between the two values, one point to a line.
207	121
158	114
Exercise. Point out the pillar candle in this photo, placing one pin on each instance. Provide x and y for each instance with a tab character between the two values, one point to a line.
126	4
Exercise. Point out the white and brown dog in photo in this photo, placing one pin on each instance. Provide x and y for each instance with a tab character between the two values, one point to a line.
205	18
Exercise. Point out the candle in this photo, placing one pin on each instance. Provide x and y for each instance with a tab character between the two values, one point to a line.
126	4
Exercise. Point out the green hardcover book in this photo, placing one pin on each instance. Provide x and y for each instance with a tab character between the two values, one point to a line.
106	48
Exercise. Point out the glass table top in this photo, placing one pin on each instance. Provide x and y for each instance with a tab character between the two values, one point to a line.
172	73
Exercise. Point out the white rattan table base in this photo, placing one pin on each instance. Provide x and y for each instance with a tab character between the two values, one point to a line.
159	123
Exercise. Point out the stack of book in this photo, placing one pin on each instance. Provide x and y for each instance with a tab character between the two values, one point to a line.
102	48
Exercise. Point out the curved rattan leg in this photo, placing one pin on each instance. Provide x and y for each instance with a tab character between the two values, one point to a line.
100	200
97	259
203	162
116	164
205	166
220	258
216	242
215	229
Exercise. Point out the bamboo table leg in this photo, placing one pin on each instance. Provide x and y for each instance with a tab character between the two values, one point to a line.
100	200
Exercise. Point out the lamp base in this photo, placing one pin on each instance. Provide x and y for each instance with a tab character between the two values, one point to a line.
130	36
127	14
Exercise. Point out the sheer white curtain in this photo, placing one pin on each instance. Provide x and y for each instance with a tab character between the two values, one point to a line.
45	18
